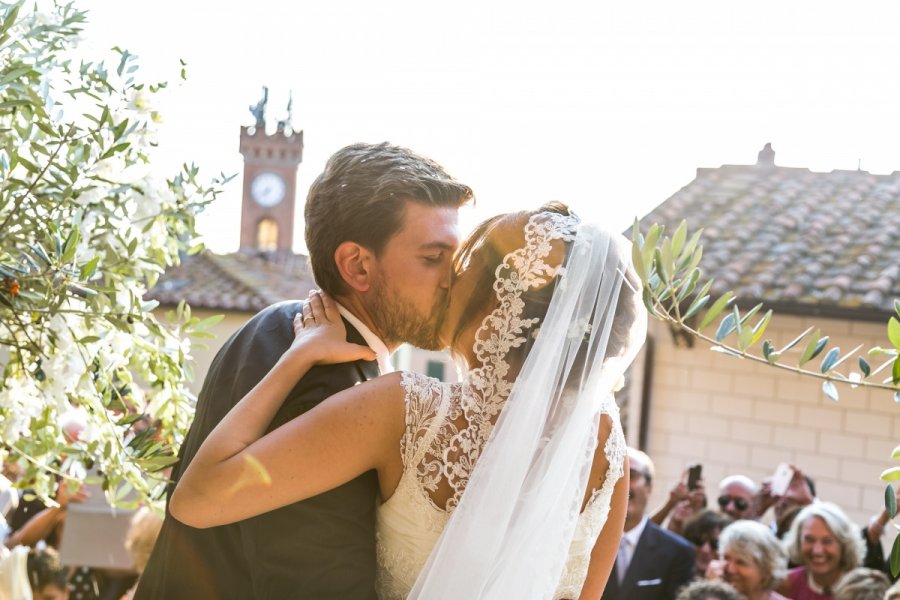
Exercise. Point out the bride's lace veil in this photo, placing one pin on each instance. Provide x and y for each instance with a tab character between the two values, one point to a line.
567	322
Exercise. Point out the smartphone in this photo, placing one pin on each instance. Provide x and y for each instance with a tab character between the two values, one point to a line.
694	474
781	479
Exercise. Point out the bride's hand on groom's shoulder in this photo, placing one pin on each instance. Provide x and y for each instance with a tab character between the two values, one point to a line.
320	335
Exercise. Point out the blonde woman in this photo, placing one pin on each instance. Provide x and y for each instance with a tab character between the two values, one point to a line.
827	545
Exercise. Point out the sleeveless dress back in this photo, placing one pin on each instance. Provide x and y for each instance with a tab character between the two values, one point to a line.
446	430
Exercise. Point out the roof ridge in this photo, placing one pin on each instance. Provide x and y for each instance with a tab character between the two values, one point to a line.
795	237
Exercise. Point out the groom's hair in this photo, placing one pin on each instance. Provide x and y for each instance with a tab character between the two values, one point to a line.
361	197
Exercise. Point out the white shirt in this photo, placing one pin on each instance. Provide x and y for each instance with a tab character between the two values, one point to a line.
9	497
382	354
633	536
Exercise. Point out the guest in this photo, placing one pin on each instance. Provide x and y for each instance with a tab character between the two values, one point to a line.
682	505
141	536
703	532
14	573
801	492
874	557
753	561
47	576
862	584
708	590
736	497
9	496
652	563
784	522
827	545
33	521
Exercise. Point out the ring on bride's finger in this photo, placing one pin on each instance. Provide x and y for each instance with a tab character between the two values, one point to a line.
307	318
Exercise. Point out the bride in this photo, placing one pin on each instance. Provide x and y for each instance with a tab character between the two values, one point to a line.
506	485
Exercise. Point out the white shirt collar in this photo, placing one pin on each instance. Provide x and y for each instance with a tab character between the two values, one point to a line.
383	356
635	534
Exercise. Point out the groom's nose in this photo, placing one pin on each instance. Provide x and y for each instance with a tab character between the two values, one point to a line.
446	279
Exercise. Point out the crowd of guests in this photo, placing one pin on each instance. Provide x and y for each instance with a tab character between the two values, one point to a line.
30	566
31	533
751	544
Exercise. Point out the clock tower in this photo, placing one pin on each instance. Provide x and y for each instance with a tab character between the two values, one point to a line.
270	182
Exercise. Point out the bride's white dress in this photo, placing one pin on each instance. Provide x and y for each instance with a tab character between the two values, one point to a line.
446	430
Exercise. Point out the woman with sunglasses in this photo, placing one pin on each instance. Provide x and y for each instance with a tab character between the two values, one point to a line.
752	561
703	531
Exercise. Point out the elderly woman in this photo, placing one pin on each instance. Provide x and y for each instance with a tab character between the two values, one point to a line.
753	561
827	545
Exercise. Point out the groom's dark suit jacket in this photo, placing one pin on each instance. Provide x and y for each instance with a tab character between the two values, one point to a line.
318	549
661	564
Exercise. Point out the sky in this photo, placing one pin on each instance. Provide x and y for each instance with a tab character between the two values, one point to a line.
608	106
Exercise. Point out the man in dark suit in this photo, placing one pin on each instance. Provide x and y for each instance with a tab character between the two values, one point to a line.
652	563
381	231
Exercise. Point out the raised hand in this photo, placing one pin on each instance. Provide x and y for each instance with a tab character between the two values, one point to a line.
66	494
319	331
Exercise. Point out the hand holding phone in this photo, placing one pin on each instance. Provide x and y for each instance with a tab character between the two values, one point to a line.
781	479
695	472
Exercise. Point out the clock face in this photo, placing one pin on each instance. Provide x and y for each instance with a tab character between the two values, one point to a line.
267	189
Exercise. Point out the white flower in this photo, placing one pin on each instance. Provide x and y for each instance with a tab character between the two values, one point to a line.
91	196
21	402
109	169
158	236
43	17
115	350
65	366
129	295
155	195
63	371
160	401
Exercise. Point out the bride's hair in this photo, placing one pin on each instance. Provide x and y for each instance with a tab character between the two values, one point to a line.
484	250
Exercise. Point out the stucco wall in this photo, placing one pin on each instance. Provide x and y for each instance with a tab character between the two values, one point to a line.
734	416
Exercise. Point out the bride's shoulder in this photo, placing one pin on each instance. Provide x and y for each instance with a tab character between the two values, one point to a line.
411	380
422	389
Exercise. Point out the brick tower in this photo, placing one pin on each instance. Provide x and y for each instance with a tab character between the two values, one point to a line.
270	182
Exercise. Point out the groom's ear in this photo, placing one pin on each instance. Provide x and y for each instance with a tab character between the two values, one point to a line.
355	264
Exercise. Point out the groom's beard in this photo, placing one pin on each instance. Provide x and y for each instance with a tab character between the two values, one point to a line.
399	321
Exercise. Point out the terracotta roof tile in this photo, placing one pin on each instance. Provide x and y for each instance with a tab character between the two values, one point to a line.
240	281
794	237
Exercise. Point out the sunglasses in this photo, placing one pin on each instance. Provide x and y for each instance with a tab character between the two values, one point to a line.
713	543
739	503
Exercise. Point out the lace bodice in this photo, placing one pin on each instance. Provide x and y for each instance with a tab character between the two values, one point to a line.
445	433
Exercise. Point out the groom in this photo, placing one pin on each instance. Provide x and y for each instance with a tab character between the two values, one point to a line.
381	231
